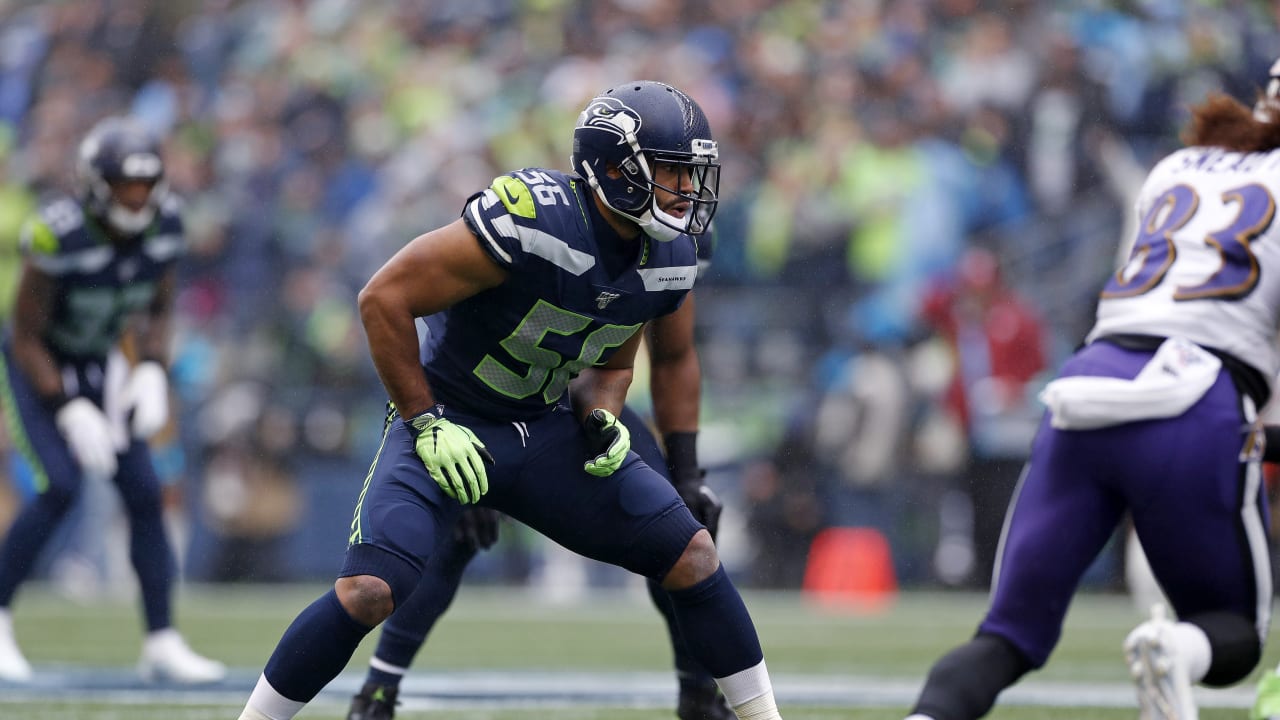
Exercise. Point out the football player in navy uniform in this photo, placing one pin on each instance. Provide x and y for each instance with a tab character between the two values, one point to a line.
1156	415
546	276
95	265
675	389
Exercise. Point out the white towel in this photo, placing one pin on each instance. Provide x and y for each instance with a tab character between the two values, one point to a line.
1178	375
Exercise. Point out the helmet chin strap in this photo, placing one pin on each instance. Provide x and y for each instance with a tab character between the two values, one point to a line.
655	223
661	226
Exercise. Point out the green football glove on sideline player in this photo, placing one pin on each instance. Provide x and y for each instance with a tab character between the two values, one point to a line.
453	454
610	440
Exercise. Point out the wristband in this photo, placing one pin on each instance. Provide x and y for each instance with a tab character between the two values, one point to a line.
682	455
56	401
419	421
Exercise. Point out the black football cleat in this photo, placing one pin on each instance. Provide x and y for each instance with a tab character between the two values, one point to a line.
703	702
374	702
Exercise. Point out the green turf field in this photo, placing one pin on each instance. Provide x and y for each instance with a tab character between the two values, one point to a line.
831	664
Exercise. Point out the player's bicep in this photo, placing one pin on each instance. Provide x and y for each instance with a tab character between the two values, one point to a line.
671	335
437	270
33	306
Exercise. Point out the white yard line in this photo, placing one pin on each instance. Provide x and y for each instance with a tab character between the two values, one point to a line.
492	689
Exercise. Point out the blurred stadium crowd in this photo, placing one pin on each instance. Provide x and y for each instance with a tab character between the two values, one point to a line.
921	199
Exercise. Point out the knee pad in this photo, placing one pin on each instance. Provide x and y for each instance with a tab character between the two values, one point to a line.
661	544
401	575
1234	646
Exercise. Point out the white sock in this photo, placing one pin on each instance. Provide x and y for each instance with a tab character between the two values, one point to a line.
750	693
762	708
161	636
1193	647
267	704
918	716
378	663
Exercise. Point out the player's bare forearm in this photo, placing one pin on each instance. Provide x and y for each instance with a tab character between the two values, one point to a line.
600	387
32	309
605	386
675	381
432	272
392	339
155	334
676	393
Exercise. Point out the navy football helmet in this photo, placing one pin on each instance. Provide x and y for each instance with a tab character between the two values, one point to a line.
116	150
635	126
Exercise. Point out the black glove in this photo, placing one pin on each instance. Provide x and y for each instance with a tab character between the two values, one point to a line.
478	527
682	463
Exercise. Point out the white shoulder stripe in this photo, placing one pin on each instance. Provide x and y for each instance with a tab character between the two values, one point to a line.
532	241
669	278
546	246
89	260
477	222
163	247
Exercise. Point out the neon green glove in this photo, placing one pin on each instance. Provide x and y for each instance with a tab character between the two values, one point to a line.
610	439
1267	703
453	454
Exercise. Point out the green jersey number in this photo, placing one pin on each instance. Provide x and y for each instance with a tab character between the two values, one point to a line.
548	372
93	318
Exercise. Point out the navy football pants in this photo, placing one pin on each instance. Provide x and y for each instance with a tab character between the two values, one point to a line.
633	518
405	631
58	483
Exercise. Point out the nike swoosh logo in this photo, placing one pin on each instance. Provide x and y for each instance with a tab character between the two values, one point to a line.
513	199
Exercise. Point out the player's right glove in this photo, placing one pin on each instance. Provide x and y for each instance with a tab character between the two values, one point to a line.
478	527
88	434
682	463
453	454
146	394
609	439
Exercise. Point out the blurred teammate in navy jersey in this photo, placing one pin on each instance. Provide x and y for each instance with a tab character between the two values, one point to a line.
94	263
546	276
1156	415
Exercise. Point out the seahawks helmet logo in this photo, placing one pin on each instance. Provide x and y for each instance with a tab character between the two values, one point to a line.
610	115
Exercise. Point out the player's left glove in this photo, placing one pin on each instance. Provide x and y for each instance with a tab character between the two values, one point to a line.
146	399
478	527
609	439
453	454
682	463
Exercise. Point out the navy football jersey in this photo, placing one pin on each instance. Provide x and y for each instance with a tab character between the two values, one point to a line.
99	284
511	351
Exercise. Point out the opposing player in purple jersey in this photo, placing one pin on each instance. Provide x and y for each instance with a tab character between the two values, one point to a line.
546	276
92	264
1156	415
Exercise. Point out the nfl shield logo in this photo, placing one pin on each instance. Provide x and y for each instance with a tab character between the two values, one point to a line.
606	297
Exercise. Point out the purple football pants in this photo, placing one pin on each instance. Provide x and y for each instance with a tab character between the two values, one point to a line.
1192	483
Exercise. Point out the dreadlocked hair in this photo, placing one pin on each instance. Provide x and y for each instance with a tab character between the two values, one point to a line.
1222	121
